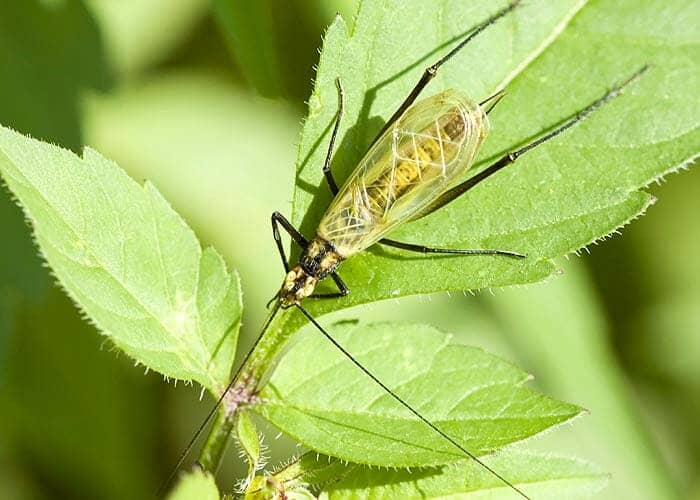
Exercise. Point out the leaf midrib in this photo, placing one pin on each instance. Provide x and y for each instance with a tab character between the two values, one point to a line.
313	412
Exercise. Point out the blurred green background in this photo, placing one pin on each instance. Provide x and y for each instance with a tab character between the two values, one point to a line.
208	107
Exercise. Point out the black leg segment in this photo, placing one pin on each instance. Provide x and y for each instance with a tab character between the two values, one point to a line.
460	189
332	185
344	290
278	218
448	251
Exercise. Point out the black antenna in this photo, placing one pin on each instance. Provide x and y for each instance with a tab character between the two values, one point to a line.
381	384
447	197
210	415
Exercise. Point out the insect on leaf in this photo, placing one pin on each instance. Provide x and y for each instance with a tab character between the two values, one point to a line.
333	408
553	58
127	259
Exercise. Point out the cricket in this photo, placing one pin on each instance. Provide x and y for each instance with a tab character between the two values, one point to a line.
413	167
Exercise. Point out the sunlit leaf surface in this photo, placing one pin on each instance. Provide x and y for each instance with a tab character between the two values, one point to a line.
538	475
127	259
196	485
330	406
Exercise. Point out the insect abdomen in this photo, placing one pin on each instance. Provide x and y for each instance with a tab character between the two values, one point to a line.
421	155
410	165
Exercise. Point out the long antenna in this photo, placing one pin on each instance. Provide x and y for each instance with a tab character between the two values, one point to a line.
407	406
212	412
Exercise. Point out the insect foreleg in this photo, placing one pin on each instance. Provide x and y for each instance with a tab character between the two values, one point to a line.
278	218
431	71
332	185
460	189
344	290
453	251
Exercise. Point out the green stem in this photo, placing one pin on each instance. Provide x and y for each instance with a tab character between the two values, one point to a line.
278	328
278	332
217	440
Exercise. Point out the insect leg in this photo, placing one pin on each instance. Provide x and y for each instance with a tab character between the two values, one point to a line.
332	185
453	251
344	290
278	218
431	71
460	189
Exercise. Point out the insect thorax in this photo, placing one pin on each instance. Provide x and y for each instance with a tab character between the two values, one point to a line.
318	260
411	164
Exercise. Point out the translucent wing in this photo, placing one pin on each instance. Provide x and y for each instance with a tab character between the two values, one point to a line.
411	164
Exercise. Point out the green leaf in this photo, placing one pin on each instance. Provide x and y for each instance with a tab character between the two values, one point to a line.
538	475
561	331
248	28
553	58
208	160
309	471
196	485
51	53
276	56
128	260
333	408
128	29
24	278
250	442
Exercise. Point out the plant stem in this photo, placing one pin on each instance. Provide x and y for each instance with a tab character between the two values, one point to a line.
278	332
217	440
278	328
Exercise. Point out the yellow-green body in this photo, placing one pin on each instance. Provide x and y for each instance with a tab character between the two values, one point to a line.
408	167
412	163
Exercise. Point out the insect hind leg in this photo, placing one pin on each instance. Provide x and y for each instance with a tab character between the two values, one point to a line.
449	251
509	158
